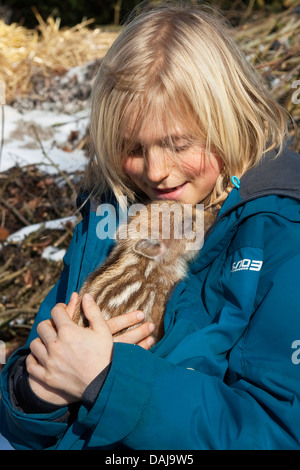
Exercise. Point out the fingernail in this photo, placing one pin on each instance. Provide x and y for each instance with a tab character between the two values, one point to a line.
88	297
150	341
140	316
151	327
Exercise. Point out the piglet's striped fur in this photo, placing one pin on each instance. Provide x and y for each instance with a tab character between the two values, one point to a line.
144	267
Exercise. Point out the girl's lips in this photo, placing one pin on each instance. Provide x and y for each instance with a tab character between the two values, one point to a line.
169	193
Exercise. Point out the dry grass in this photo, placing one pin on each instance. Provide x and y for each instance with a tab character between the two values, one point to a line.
47	50
272	44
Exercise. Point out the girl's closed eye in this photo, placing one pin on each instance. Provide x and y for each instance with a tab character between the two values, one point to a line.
140	152
137	151
181	148
176	147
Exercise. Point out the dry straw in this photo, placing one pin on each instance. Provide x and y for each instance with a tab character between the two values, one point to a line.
272	44
46	50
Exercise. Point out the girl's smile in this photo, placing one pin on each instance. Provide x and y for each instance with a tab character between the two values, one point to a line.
175	167
169	193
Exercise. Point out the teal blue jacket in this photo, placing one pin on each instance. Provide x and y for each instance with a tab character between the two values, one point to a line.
226	374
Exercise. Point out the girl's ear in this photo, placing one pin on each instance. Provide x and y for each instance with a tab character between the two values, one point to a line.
152	249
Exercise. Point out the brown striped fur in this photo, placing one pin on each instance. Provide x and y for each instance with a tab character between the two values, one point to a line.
141	273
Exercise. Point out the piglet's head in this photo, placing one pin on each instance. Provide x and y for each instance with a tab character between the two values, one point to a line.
165	230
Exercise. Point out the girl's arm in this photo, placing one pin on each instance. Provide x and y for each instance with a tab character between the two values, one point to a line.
34	430
159	405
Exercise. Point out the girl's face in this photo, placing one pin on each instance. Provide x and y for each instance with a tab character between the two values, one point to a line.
189	177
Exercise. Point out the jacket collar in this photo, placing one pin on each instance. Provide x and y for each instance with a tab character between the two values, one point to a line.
273	175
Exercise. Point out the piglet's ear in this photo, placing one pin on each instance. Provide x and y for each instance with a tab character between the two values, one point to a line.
152	249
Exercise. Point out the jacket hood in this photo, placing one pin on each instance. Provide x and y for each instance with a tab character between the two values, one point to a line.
273	175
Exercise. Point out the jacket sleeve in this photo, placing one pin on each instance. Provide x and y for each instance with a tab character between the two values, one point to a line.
44	430
168	406
34	430
180	400
243	395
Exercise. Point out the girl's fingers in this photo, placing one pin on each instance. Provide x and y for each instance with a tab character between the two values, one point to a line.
33	367
117	324
46	331
93	314
72	304
146	343
137	335
39	351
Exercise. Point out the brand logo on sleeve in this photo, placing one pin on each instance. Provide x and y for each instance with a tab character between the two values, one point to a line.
246	265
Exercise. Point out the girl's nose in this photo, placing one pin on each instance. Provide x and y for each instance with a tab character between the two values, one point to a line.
158	165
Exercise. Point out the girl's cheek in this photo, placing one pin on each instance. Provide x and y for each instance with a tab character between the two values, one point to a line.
132	167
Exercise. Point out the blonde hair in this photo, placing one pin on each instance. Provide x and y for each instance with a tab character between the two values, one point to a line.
179	62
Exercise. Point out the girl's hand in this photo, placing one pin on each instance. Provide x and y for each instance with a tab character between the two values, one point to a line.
139	335
65	357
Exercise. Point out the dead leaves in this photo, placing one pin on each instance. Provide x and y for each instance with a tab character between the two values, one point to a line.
28	196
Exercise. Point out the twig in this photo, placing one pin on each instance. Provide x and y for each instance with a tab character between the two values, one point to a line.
18	311
65	177
15	313
8	179
6	264
117	9
15	211
38	297
248	11
4	279
276	63
62	238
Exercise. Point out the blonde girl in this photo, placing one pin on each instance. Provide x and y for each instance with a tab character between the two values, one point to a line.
178	66
177	113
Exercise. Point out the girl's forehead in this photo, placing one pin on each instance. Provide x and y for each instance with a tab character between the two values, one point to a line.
154	130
